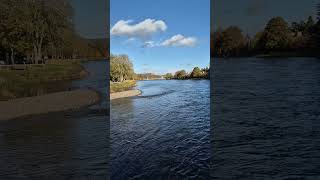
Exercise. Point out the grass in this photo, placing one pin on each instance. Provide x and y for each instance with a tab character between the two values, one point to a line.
122	86
14	83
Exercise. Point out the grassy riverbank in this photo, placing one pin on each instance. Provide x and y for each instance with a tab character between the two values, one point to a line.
122	86
14	82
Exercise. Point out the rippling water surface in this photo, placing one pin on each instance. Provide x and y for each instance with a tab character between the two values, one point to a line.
69	145
163	133
266	118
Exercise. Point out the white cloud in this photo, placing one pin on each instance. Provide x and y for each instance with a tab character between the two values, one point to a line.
143	29
175	41
180	41
149	44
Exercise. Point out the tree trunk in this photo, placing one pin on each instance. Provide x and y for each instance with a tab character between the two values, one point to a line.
12	56
121	78
37	53
35	58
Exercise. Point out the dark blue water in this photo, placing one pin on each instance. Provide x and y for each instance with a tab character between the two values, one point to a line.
266	118
66	145
162	134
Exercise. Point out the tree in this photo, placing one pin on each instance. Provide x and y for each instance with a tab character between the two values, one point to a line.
29	26
205	72
216	43
196	73
121	68
276	35
231	41
168	76
12	32
309	24
45	22
180	74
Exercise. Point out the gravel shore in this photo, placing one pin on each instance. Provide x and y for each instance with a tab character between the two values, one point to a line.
124	94
55	102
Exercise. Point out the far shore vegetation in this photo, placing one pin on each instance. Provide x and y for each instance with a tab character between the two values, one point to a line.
39	44
277	39
123	77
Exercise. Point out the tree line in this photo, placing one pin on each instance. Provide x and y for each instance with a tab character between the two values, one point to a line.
278	36
32	31
196	73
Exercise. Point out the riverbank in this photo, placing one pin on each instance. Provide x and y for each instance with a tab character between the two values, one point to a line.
124	94
15	82
54	102
122	86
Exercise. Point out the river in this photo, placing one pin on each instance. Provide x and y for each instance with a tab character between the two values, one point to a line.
162	134
265	118
264	124
68	145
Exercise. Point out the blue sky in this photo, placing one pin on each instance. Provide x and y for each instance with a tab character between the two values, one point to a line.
161	36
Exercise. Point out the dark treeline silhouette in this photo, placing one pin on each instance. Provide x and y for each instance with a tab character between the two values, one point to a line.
32	31
278	38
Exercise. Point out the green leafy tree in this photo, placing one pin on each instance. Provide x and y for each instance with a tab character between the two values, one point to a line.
232	40
196	73
168	76
121	68
228	42
205	72
182	74
276	35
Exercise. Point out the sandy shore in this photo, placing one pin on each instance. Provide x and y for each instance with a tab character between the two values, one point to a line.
55	102
124	94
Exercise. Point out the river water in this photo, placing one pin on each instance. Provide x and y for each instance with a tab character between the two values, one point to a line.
162	134
266	118
264	125
68	145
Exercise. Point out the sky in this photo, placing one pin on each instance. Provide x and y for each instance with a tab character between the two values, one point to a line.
91	18
252	15
161	36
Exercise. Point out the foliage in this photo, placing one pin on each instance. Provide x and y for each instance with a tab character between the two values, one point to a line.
276	38
121	68
122	86
196	73
168	76
182	74
31	30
